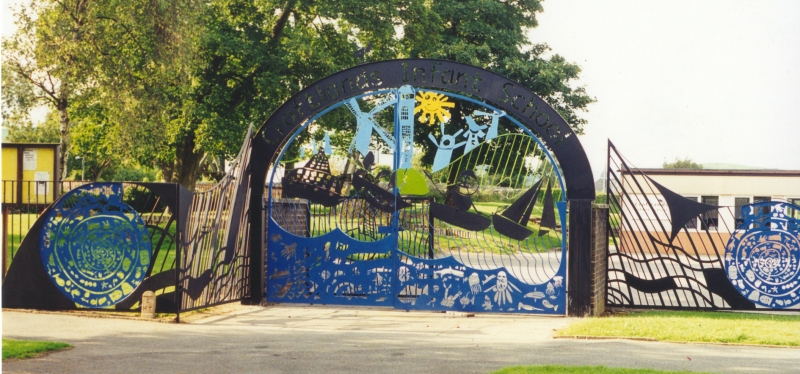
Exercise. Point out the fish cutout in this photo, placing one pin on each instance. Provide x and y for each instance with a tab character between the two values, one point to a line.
536	295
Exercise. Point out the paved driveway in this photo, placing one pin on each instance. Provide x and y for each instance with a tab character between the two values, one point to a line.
319	339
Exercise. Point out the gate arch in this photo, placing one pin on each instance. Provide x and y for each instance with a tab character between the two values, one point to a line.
392	81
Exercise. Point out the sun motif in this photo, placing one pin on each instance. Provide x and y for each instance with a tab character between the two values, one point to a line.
432	106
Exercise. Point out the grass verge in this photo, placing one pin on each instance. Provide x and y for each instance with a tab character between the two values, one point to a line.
29	348
695	327
579	370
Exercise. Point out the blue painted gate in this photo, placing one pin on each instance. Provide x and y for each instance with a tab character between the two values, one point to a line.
418	199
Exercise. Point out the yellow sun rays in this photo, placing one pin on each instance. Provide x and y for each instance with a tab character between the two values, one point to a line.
433	107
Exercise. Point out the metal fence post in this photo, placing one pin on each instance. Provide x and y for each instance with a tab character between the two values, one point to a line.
599	259
579	255
179	244
431	230
5	239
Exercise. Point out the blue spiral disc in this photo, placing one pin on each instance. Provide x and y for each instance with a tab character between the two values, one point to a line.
762	258
95	248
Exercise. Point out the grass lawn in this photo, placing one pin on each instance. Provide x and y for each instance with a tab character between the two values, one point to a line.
18	226
707	327
411	241
29	348
578	370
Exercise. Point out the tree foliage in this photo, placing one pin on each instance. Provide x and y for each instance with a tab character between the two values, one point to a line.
175	84
26	132
44	62
686	163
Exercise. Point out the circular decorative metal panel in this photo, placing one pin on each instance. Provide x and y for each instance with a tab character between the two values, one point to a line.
763	257
95	248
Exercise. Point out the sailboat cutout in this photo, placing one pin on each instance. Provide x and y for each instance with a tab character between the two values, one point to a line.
548	212
456	211
513	221
313	182
377	196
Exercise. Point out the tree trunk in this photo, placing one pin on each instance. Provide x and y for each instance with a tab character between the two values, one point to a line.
167	170
63	129
101	169
187	164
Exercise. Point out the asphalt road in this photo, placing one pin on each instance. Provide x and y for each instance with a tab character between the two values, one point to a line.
319	339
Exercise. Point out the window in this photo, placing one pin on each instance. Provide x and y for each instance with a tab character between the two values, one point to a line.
405	132
404	113
794	213
738	203
764	210
692	224
762	199
709	220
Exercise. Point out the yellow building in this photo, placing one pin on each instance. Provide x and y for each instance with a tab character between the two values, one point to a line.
30	173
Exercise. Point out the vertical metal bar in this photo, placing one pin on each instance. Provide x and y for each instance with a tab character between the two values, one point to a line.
5	240
178	297
308	218
12	207
18	201
609	230
396	192
57	172
430	229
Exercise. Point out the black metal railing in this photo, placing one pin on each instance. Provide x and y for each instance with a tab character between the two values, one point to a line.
23	202
64	208
665	250
214	261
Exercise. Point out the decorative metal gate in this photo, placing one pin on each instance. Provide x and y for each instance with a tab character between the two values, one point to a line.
669	251
417	198
103	245
416	183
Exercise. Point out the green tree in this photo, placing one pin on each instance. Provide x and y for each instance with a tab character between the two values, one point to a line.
169	84
248	70
147	85
686	163
51	53
495	38
116	70
18	98
26	132
95	139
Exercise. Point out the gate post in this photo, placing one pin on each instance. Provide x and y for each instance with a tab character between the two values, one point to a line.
599	264
579	255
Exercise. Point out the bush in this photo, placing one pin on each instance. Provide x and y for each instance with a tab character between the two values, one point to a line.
601	199
124	174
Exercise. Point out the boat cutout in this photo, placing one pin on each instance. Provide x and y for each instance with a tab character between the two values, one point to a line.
377	196
455	211
313	182
513	221
548	212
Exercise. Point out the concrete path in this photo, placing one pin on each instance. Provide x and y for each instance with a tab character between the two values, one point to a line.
319	339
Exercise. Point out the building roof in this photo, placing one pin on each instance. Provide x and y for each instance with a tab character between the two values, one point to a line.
31	145
721	172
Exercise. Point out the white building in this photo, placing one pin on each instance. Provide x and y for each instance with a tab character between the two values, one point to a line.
729	189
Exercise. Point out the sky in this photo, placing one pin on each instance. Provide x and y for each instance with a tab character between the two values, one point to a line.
6	17
713	81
